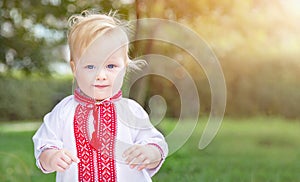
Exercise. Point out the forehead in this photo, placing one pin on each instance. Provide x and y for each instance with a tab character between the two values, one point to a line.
112	43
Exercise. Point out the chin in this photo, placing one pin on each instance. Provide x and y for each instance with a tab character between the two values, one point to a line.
101	97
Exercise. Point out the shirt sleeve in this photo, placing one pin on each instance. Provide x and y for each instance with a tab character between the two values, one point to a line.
155	138
49	135
147	134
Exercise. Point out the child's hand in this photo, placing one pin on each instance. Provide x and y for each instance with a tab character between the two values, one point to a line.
143	156
57	160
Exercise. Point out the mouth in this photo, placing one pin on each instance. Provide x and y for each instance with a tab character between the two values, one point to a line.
101	86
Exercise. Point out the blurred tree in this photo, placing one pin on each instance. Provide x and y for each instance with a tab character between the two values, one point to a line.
247	36
33	32
256	41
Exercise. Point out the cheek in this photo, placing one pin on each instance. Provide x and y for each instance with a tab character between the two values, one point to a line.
84	78
121	74
118	79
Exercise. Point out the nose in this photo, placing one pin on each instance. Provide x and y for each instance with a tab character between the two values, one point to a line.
101	75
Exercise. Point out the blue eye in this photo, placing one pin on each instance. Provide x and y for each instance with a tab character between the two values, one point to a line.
90	67
110	66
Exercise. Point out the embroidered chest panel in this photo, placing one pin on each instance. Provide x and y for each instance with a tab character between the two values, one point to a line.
96	153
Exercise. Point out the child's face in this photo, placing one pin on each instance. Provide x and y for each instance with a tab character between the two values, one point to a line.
101	69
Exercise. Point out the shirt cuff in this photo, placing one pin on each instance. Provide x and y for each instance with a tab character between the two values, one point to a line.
153	171
38	162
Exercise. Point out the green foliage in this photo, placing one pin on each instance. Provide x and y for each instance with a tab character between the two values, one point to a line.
33	32
256	42
263	88
30	98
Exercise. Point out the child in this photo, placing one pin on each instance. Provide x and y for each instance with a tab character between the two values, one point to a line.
95	134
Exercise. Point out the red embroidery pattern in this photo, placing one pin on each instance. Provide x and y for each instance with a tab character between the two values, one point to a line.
97	156
108	134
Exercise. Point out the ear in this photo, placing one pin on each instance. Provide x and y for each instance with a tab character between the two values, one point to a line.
73	67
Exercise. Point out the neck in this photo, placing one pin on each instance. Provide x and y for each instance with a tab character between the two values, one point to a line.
83	98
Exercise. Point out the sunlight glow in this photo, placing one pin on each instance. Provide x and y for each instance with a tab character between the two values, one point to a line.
292	6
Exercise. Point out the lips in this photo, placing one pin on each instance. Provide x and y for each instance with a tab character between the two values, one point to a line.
101	86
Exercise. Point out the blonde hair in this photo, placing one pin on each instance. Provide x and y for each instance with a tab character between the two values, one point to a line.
86	27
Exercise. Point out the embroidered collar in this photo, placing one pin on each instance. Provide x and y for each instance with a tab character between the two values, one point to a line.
90	102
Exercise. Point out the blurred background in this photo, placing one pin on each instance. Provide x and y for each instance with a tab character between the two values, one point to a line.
257	43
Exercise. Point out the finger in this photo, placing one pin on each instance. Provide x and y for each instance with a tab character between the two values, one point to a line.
128	151
132	156
139	160
144	165
59	169
62	166
66	158
133	164
71	156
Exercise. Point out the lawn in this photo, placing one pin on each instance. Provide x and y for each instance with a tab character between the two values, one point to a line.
244	150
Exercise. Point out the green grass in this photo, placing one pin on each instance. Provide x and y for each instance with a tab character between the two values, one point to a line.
248	150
